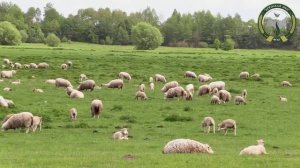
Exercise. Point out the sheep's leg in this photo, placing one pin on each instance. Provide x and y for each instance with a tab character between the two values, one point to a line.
214	129
27	130
225	131
208	129
234	131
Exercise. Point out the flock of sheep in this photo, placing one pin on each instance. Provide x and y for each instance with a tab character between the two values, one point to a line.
170	90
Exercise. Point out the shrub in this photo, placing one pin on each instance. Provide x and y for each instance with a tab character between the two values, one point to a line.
108	40
52	40
9	34
24	35
217	44
228	45
202	44
64	39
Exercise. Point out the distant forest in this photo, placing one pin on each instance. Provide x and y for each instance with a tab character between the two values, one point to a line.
113	27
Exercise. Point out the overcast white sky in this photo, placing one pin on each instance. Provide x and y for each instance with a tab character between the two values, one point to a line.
248	9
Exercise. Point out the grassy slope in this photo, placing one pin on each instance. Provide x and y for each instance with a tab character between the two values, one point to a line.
87	142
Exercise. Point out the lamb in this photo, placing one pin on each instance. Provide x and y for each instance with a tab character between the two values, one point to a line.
27	66
50	81
244	93
76	94
286	83
189	88
244	75
60	82
220	85
256	76
283	99
43	65
73	113
124	75
150	79
207	123
96	108
122	134
175	92
17	65
20	120
140	94
190	74
258	149
6	61
226	124
169	85
64	66
204	77
203	90
186	146
152	86
33	66
142	87
116	83
69	63
88	84
215	100
7	74
17	82
38	90
224	95
82	77
37	122
159	77
7	89
239	100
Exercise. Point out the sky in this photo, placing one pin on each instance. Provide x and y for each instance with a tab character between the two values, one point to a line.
247	9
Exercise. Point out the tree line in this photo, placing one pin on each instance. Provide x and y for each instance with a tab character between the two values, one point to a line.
114	27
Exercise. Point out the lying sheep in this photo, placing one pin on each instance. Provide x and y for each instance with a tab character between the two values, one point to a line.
124	75
88	84
96	108
37	122
159	77
142	87
189	88
73	113
140	94
7	89
255	76
33	66
152	86
43	65
224	95
116	83
150	79
76	94
186	146
178	92
64	66
239	100
169	85
82	77
20	120
17	82
17	65
283	99
69	90
258	149
204	77
215	100
190	74
220	85
60	82
6	61
38	90
27	66
244	75
203	90
69	63
244	93
122	134
286	83
7	74
50	81
207	123
226	124
3	102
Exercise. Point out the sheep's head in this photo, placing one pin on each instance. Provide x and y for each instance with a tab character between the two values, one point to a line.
260	142
124	131
208	149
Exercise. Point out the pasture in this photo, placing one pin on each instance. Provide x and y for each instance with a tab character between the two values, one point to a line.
87	142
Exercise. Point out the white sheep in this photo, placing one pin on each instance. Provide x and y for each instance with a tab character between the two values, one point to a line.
186	146
178	92
17	82
189	95
27	66
150	79
124	75
50	81
38	90
116	83
3	102
286	83
64	66
60	82
190	74
37	122
169	85
207	123
33	65
142	87
189	88
43	65
220	85
283	99
69	63
159	77
20	120
7	74
244	75
7	89
224	95
10	103
96	108
226	124
256	76
140	94
239	100
203	90
204	77
73	113
215	100
122	134
215	91
88	84
17	65
6	61
258	149
69	90
244	93
76	94
82	77
152	86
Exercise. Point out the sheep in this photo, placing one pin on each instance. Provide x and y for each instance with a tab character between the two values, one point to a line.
190	74
239	100
220	85
175	92
76	94
6	118
189	95
122	134
286	83
17	65
7	74
258	149
33	66
69	63
10	103
82	77
186	146
256	76
60	82
38	90
43	65
215	100
159	77
244	75
150	79
36	122
228	123
116	83
69	90
203	90
189	88
50	81
88	84
27	66
244	93
73	114
204	77
283	99
3	102
142	87
124	75
19	120
207	123
6	61
17	82
152	86
224	95
64	66
7	89
141	94
169	85
96	108
215	91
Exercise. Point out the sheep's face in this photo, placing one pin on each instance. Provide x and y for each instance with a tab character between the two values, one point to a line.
260	142
124	131
208	149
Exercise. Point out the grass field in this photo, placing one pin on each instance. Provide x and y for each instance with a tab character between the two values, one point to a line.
87	142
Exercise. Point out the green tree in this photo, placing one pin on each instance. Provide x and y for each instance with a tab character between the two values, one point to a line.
24	35
9	34
217	44
35	34
228	44
145	36
52	40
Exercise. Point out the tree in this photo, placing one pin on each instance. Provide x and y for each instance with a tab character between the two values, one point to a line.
24	35
228	44
52	40
9	34
145	36
217	44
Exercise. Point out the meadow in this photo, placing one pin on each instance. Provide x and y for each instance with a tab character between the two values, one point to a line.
87	142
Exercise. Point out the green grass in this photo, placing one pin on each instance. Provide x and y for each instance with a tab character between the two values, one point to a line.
87	142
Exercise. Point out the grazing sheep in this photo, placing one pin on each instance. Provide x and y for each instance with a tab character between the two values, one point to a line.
208	122
76	94
33	66
116	83
203	90
244	75
169	85
140	94
150	79
6	61
204	77
215	91
96	108
239	100
142	87
10	103
286	83
189	95
60	82
69	90
3	102
38	90
17	82
69	63
7	89
64	66
20	120
43	65
82	77
228	123
17	65
37	122
190	74
189	88
244	93
50	81
178	92
215	100
124	75
122	134
152	86
220	85
224	95
159	77
258	149
283	99
73	113
186	146
88	84
7	74
27	66
6	118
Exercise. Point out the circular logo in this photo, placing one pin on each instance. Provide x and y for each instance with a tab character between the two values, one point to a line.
277	23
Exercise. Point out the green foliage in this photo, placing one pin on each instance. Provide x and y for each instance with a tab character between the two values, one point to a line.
64	39
108	40
52	40
9	35
202	44
24	35
35	34
228	45
217	44
145	36
176	117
